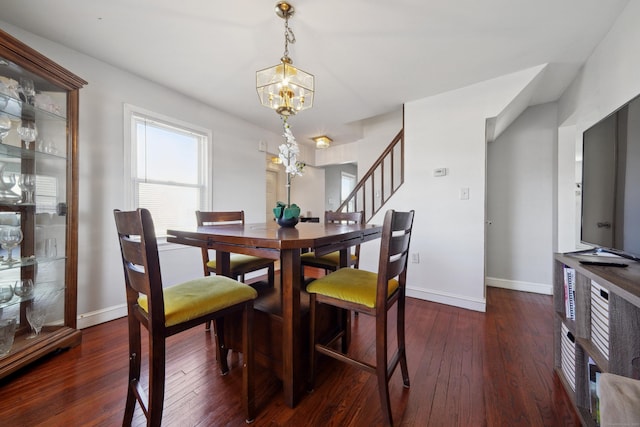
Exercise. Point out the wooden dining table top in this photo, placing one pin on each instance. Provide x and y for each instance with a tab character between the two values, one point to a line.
267	239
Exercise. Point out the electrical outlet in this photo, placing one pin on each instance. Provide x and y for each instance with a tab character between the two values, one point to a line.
415	258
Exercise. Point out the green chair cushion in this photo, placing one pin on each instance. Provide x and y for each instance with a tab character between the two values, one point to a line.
198	297
350	284
239	260
330	260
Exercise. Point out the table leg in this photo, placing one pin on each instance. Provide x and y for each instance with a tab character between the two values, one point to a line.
292	380
223	264
345	321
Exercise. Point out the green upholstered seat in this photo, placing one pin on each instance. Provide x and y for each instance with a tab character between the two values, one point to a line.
247	262
349	284
198	297
330	260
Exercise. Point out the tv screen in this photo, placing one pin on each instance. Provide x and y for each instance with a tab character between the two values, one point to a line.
611	182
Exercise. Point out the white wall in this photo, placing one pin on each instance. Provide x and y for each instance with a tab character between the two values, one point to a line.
238	171
333	184
448	130
307	191
520	202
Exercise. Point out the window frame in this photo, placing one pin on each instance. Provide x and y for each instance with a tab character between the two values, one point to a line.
133	113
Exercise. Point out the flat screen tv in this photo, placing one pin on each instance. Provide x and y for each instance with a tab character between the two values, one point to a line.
611	183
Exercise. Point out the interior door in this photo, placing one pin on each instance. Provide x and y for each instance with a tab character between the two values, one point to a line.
272	193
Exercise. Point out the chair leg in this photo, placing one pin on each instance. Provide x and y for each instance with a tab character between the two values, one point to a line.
157	360
345	324
134	371
311	380
221	348
248	380
401	342
381	367
271	274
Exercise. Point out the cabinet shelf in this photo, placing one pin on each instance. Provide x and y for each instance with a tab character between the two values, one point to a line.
14	152
16	109
25	351
607	309
47	253
594	353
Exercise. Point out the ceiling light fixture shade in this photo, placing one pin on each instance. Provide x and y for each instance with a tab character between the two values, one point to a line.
323	141
283	87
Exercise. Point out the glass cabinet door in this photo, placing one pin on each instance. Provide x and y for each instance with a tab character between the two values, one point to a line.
38	205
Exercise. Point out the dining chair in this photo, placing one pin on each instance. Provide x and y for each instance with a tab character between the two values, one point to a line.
371	294
331	261
240	264
167	311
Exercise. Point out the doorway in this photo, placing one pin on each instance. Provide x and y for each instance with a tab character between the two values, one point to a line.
272	193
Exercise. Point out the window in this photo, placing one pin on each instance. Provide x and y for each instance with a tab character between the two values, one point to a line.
169	169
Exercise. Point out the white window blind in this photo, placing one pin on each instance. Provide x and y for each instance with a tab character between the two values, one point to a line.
169	172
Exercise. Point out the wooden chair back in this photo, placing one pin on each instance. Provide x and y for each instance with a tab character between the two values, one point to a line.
394	255
139	250
347	218
216	218
219	217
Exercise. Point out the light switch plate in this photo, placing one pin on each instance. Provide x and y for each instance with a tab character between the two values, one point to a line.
464	193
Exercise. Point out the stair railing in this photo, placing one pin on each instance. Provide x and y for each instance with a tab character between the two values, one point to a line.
380	182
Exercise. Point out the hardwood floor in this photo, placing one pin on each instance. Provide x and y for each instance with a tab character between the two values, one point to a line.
466	369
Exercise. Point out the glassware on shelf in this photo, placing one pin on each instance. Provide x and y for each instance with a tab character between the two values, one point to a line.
27	183
6	292
10	237
28	90
23	288
7	333
5	127
50	247
9	87
36	315
28	132
7	182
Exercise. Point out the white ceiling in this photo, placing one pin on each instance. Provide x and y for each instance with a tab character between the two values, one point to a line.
368	56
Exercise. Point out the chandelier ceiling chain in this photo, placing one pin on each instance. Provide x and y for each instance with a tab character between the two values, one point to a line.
289	37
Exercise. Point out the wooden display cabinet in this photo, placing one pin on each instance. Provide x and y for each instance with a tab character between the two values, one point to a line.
48	215
603	335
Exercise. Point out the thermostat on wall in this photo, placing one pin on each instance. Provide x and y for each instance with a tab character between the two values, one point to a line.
440	172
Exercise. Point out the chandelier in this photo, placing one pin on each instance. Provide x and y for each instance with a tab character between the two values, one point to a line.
283	87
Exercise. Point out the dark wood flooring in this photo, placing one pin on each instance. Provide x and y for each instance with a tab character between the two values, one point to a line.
466	369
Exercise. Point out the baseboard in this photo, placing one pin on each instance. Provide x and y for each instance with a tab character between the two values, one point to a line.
93	318
515	285
448	299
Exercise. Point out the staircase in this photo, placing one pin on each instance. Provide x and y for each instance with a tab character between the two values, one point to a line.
380	182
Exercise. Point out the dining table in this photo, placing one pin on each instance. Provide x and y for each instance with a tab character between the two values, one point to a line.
269	240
